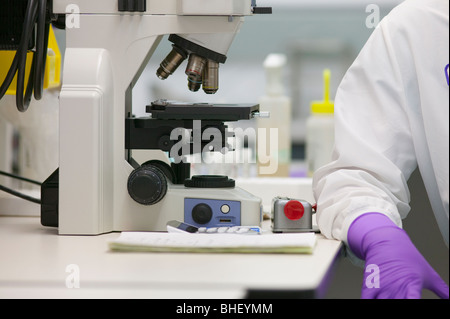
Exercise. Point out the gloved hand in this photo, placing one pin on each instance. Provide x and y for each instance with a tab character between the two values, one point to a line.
395	269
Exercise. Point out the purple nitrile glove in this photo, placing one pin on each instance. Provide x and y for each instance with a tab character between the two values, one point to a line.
394	267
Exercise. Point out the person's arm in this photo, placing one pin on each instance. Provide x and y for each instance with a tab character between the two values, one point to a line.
374	154
374	157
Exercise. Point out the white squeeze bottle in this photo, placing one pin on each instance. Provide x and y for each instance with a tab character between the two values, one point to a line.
320	130
274	156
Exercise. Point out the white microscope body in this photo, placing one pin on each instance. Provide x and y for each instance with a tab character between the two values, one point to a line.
106	51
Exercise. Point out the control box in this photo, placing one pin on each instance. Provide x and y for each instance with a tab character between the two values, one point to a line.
291	215
212	212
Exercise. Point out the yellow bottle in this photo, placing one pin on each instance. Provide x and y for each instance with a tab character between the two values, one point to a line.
320	130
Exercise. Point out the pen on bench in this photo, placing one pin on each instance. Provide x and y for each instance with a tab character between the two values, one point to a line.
174	226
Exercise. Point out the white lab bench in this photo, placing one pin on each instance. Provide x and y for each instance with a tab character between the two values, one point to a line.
35	263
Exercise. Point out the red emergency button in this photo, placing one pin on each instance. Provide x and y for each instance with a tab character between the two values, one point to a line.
294	210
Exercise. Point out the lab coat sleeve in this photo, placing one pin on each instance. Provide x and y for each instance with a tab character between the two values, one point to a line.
374	153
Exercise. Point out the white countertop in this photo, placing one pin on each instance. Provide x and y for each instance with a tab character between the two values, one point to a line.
35	260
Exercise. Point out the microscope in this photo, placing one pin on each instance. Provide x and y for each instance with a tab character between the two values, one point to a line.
98	186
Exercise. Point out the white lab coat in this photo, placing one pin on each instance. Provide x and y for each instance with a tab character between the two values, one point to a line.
391	115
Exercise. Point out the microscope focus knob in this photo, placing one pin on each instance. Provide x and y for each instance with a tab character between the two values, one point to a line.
202	213
147	185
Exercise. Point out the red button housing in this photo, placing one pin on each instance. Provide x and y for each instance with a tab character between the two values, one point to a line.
294	210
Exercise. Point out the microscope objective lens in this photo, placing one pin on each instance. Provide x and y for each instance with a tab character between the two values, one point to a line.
195	66
171	63
211	77
194	83
194	71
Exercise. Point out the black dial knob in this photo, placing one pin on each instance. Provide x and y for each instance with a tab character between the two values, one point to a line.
147	185
202	213
210	181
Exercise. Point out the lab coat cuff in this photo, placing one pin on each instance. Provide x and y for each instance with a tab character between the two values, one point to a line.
349	220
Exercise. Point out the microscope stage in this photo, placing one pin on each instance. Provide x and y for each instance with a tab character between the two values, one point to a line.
166	110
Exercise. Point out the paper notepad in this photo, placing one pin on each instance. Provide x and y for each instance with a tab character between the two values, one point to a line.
302	243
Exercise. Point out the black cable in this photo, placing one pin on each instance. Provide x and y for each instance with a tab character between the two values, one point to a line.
20	195
20	178
43	29
22	101
9	77
16	193
36	13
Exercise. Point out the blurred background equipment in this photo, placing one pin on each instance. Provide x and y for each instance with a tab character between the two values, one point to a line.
30	63
313	35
